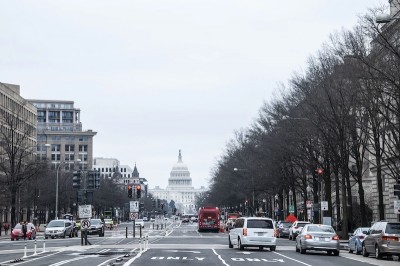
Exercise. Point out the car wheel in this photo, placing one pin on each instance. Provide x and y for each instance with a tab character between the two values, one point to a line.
357	249
378	254
240	246
12	239
329	252
293	237
364	251
260	248
46	237
336	253
229	242
290	237
70	234
350	250
302	250
273	248
297	248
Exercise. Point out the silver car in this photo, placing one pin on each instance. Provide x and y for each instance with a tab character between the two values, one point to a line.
356	239
59	228
318	237
383	239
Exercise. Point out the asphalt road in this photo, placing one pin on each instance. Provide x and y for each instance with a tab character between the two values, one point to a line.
179	244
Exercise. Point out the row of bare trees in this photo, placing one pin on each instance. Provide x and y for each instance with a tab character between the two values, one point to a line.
341	114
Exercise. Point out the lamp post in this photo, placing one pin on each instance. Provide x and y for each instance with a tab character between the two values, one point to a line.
291	207
57	170
252	184
276	207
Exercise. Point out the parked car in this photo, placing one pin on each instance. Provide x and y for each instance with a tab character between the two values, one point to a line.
59	228
16	232
382	240
253	232
295	229
145	219
283	229
139	223
97	227
318	237
356	239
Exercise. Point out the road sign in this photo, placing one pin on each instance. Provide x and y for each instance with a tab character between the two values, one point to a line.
133	216
397	206
85	224
324	205
134	206
291	208
85	211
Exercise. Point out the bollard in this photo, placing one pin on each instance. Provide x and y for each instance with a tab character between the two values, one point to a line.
140	245
44	246
157	226
82	237
153	226
134	228
34	253
162	226
126	232
25	250
140	231
147	242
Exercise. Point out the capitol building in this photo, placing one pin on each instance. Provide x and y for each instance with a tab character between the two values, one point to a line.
179	189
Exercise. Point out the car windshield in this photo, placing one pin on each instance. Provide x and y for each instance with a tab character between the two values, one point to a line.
139	220
56	224
325	229
94	221
286	225
267	224
365	230
393	228
301	224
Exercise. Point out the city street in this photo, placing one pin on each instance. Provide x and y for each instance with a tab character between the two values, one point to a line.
178	244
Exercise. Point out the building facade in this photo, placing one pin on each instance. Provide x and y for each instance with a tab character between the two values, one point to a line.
179	189
60	136
18	128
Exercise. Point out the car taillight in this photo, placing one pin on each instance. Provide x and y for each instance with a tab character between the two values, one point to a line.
387	238
361	237
308	236
244	231
335	238
275	232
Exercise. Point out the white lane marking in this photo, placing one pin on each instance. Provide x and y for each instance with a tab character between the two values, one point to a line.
220	258
292	259
30	260
187	251
67	261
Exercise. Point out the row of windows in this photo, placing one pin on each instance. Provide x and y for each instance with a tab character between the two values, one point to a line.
68	147
54	105
17	108
69	157
111	170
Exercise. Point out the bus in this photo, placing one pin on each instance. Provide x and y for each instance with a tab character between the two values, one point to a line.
208	219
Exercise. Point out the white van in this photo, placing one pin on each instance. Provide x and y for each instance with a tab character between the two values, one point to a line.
253	232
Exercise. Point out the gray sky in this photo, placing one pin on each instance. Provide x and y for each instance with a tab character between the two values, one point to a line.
155	76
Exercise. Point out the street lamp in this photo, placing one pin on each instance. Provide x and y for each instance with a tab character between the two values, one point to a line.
252	183
276	207
57	169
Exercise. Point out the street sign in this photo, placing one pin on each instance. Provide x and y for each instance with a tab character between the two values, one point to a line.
291	208
396	206
133	216
324	205
85	211
85	224
134	206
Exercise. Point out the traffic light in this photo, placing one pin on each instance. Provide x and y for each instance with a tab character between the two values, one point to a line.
319	171
97	179
90	180
138	191
397	189
141	206
129	191
153	203
76	179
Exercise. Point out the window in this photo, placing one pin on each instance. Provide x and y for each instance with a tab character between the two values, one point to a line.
55	157
69	147
83	138
83	148
55	147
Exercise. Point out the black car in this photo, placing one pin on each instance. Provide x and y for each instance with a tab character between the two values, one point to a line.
97	227
283	229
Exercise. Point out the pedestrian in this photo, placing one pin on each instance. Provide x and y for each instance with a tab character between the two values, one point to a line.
6	226
24	229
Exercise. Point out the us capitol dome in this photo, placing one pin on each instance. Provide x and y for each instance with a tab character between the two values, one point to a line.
179	189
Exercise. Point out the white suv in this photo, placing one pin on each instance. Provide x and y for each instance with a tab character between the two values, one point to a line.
253	232
295	229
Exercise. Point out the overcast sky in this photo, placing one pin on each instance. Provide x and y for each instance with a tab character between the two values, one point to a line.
152	77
